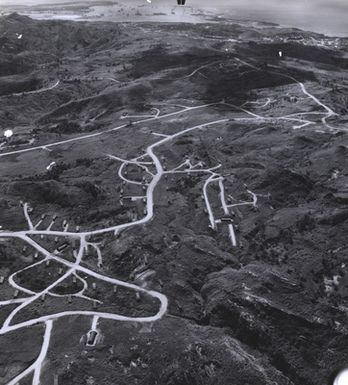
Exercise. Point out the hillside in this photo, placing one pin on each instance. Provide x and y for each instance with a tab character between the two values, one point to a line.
180	191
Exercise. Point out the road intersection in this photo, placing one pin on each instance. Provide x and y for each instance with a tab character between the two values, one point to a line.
155	176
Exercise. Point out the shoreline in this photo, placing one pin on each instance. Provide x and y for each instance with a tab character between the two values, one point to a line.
109	12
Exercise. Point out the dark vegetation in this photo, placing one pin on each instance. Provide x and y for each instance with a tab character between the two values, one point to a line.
272	310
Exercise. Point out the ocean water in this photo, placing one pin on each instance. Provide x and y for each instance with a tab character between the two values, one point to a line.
324	16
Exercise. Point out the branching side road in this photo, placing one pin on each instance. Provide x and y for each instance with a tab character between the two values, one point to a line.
74	269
